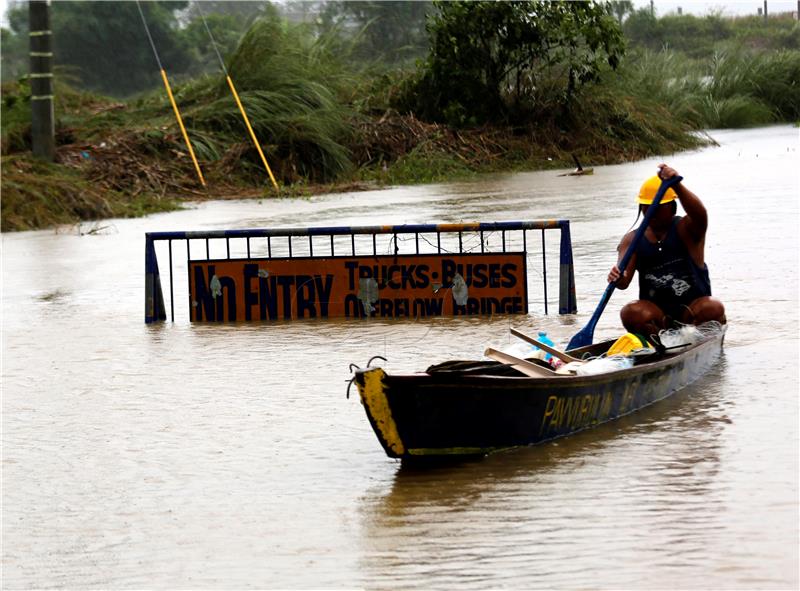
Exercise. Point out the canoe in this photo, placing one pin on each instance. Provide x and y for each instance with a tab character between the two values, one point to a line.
467	408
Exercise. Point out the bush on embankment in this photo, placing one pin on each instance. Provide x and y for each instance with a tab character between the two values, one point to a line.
38	194
735	88
292	85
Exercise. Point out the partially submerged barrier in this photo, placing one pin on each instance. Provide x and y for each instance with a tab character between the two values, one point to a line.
410	271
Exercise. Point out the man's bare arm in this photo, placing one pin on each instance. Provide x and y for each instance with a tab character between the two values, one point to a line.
696	215
623	279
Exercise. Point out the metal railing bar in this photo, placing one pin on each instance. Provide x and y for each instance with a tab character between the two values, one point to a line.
544	272
171	292
506	244
188	276
346	230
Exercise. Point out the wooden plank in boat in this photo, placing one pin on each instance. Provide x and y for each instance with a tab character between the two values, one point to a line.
527	367
565	357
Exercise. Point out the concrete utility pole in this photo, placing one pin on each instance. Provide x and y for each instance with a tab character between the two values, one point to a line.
41	54
765	9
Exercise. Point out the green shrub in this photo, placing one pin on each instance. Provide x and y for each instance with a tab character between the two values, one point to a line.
735	88
288	82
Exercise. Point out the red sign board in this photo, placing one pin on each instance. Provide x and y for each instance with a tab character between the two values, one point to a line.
402	286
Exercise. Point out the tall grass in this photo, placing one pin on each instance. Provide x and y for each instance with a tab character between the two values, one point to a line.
735	88
666	78
290	83
776	82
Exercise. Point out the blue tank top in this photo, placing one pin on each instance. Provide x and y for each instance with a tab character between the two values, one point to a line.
668	276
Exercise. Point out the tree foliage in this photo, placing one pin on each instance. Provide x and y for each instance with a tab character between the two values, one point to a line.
226	31
14	54
104	43
392	31
226	20
702	37
243	13
104	47
489	60
620	9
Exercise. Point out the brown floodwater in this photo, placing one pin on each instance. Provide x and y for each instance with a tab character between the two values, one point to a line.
226	456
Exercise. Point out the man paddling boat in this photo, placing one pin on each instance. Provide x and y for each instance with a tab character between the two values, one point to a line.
674	283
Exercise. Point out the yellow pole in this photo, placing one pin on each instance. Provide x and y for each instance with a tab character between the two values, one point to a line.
252	133
183	129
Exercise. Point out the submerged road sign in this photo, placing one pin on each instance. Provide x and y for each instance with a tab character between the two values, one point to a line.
268	275
389	286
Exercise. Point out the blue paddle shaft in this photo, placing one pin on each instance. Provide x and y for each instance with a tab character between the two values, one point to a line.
585	336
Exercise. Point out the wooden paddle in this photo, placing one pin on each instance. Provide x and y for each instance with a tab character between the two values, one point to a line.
527	367
565	357
585	336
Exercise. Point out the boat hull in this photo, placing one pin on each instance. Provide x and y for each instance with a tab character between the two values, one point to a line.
456	413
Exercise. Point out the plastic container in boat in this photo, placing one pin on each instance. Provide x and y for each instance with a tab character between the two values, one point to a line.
543	338
627	343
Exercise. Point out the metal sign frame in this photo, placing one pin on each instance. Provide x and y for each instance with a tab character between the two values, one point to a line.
281	243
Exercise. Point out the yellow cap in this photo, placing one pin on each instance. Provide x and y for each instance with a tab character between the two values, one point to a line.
649	189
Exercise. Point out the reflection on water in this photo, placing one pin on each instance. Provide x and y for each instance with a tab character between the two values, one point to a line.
206	456
528	510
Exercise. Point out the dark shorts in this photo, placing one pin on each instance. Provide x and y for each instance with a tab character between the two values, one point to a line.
675	310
